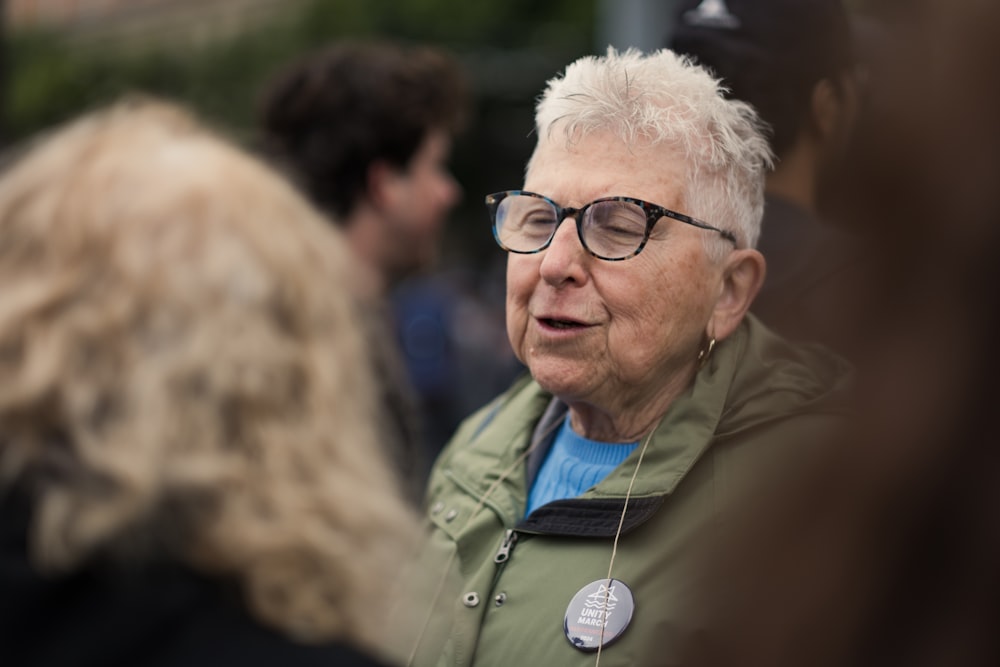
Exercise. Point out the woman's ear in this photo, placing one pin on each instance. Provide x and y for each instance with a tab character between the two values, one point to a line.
742	276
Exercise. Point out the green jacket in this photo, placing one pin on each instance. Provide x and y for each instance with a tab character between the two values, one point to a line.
757	402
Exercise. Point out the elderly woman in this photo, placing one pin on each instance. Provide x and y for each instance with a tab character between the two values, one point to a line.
565	516
189	469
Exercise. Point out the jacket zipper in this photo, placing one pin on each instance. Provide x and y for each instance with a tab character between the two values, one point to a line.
503	555
506	546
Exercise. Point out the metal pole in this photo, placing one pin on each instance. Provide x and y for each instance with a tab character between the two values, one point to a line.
643	24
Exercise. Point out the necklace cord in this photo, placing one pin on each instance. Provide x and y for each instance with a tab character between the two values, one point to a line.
621	522
482	501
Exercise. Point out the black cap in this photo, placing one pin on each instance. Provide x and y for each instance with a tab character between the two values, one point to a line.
767	52
807	38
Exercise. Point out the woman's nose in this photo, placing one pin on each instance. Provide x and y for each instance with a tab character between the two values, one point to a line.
565	257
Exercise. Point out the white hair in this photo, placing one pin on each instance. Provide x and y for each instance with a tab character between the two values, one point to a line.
665	98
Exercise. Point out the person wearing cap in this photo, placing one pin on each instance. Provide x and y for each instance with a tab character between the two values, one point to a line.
795	62
569	518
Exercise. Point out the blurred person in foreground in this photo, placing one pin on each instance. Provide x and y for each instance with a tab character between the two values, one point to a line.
796	63
904	519
566	518
365	130
189	469
929	168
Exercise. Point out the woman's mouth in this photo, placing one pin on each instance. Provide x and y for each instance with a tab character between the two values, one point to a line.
560	324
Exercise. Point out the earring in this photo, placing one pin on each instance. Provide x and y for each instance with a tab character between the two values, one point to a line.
705	353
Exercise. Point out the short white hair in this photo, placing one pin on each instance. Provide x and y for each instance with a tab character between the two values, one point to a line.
662	97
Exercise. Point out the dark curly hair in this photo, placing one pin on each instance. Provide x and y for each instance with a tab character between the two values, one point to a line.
331	114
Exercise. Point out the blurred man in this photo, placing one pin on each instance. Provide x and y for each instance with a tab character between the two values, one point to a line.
794	61
365	129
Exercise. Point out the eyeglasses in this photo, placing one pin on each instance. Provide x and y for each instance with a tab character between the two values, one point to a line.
610	228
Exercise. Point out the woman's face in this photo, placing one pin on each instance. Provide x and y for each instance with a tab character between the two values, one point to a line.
614	336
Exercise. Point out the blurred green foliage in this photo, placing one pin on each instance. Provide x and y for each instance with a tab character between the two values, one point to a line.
508	47
51	77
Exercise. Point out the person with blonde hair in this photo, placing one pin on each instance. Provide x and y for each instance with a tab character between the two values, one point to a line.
189	467
568	517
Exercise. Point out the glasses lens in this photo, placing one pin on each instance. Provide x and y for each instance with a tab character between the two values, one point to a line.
523	223
614	229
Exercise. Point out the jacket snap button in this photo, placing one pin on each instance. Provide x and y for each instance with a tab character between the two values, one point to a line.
450	516
500	599
438	506
471	599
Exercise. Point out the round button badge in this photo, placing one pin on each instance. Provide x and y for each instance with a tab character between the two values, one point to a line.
598	614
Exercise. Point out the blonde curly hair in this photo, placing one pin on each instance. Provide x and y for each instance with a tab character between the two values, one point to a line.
182	373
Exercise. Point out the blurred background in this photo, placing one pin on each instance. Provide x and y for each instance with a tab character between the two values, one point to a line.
61	57
64	56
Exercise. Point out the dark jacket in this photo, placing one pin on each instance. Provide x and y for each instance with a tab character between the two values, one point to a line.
816	276
150	615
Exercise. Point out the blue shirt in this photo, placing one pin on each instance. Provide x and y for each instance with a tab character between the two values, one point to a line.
573	465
